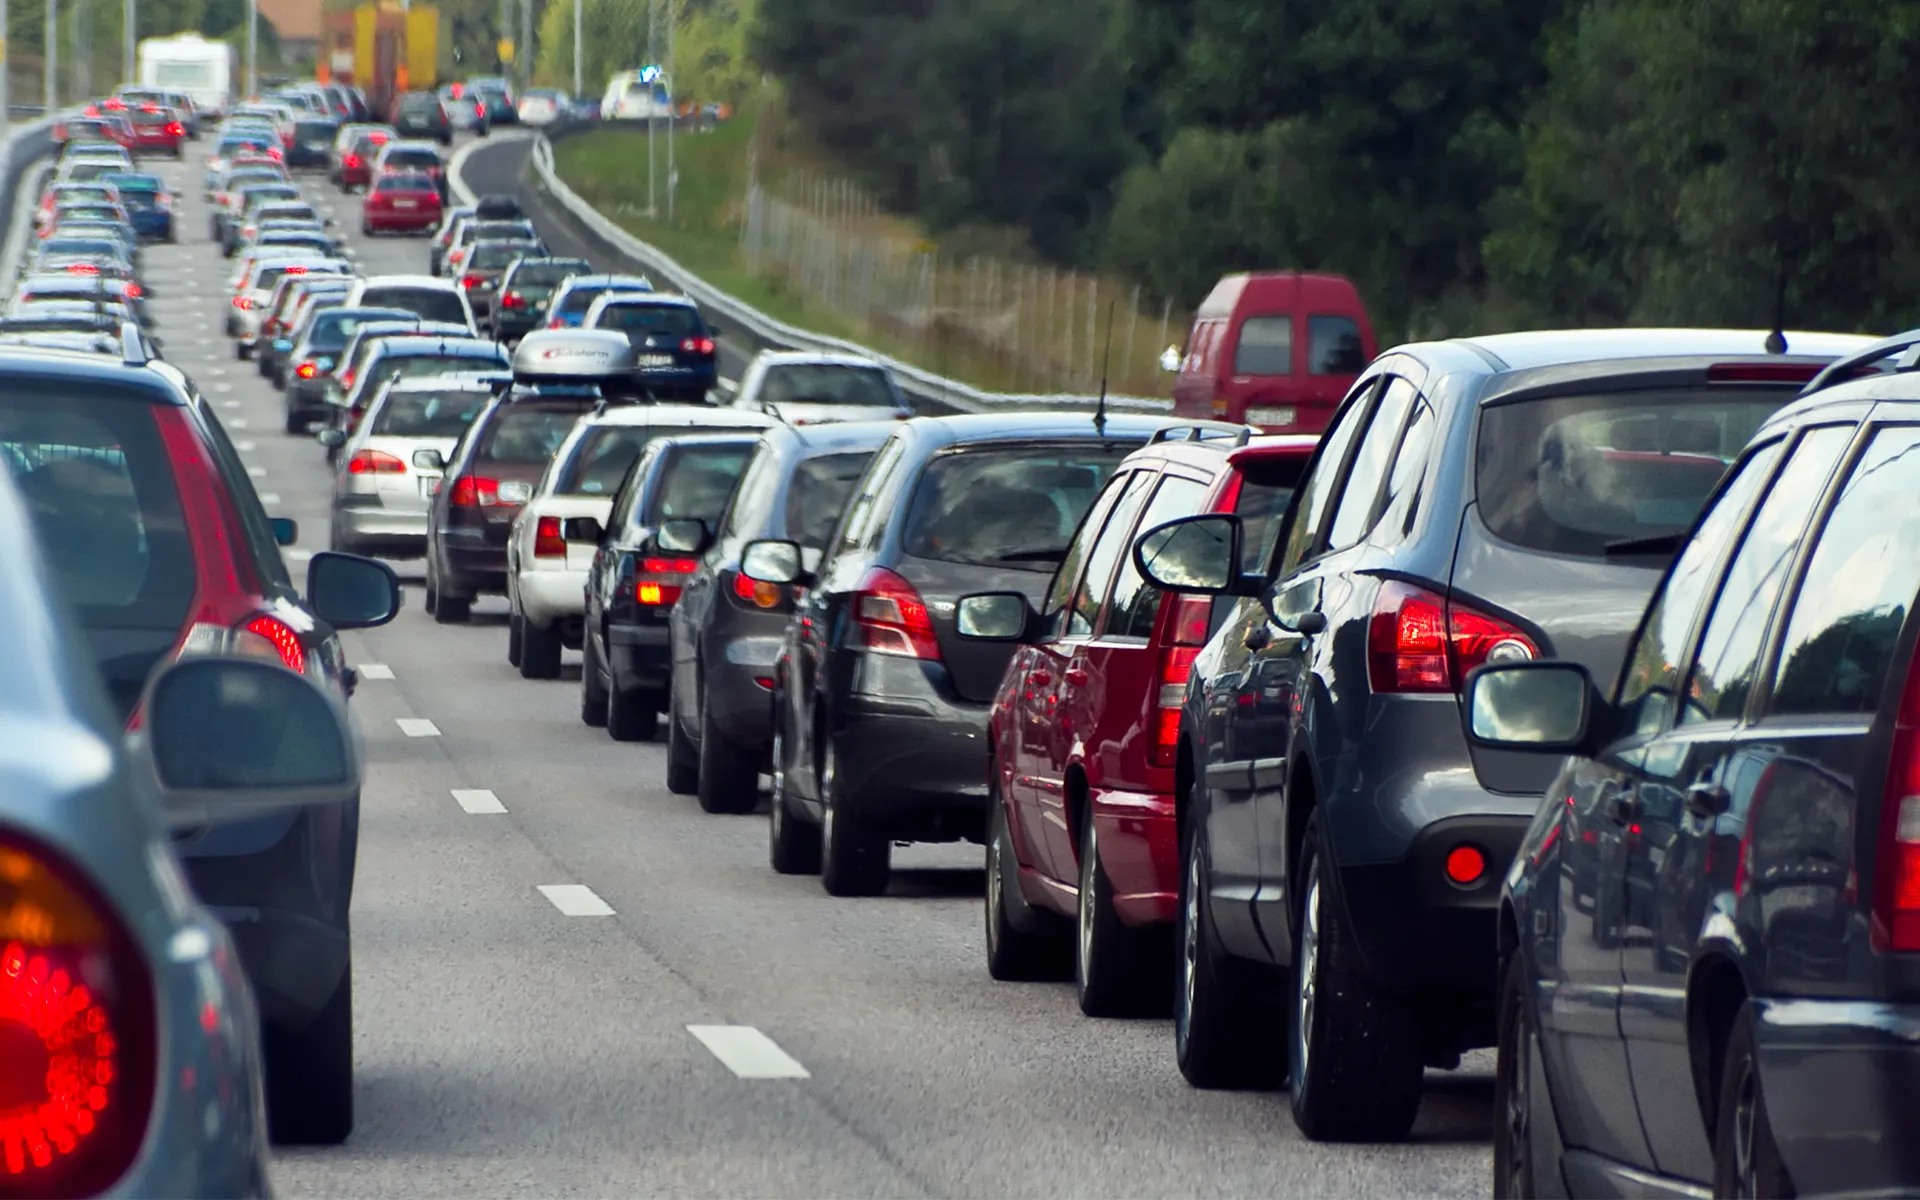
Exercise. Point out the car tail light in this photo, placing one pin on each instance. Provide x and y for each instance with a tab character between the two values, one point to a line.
472	491
307	370
1895	925
131	290
351	161
479	110
553	323
758	592
82	269
512	300
270	637
547	542
243	302
1419	642
375	462
699	345
890	618
471	281
378	139
78	1052
653	587
1187	627
176	129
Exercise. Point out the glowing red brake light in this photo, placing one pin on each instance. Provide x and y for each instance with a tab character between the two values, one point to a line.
471	491
757	592
351	161
1785	372
1419	642
512	300
82	269
890	618
471	280
1895	923
375	462
274	637
1187	626
176	129
699	345
307	370
547	542
651	589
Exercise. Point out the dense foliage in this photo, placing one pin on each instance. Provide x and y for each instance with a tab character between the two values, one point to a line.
1472	163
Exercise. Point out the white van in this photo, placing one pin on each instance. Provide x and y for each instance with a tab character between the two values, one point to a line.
192	64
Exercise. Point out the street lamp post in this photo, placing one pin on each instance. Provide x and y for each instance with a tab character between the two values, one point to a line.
673	106
253	48
129	21
50	68
579	78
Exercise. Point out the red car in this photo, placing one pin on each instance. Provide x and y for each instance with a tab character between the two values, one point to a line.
402	202
356	165
157	130
1086	722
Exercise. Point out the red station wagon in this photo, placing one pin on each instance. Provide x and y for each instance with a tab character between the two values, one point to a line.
406	202
1277	350
1086	722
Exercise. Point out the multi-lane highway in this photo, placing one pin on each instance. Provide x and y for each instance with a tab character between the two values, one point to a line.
569	982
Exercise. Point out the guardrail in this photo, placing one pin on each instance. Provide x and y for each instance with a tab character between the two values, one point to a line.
934	391
26	145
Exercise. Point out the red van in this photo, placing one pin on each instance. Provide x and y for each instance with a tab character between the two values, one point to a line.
1274	349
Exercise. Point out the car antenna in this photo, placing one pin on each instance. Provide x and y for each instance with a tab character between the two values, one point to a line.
1106	367
1776	342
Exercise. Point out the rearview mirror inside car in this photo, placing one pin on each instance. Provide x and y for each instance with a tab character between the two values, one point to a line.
335	438
581	529
682	535
233	737
350	592
773	561
993	616
1542	706
1192	554
430	459
286	531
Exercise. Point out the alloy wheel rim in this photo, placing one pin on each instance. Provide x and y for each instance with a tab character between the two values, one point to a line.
1519	1109
1088	865
779	769
1189	945
1309	970
993	888
1745	1185
827	773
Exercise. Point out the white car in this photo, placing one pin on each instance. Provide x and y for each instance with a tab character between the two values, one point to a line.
542	106
547	572
433	299
256	289
388	470
802	388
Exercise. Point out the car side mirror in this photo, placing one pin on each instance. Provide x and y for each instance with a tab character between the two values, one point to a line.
1198	554
1170	359
233	737
1544	707
582	529
286	531
683	535
994	617
350	592
333	439
773	561
282	346
429	459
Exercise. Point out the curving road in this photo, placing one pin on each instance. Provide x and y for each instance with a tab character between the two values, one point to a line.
519	1041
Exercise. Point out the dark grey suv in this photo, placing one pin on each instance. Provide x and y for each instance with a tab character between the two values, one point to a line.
1485	500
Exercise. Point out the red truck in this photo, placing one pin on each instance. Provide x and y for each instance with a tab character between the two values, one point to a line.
1274	349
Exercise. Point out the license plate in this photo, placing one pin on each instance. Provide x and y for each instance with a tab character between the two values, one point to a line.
406	204
429	485
1271	417
319	145
515	492
656	360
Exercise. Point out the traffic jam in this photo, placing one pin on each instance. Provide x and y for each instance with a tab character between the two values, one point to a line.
1538	707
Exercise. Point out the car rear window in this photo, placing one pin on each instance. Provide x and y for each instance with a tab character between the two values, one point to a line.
600	461
525	435
671	319
429	414
432	304
1266	488
546	274
495	231
404	183
1334	346
580	299
818	491
1266	347
416	159
823	383
332	331
697	481
99	488
497	256
1011	507
420	365
316	131
1574	474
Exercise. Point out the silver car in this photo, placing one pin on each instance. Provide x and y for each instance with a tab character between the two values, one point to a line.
386	473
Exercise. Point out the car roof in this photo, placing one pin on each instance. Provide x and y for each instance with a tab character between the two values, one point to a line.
451	381
825	437
639	298
412	281
978	428
602	279
679	414
784	358
1553	348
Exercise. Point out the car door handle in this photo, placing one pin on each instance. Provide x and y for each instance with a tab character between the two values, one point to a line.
1707	800
1075	677
1258	638
1039	678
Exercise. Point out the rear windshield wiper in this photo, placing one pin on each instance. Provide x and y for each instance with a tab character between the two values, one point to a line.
1053	556
1667	544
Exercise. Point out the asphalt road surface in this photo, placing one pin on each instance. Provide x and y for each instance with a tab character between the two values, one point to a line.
570	983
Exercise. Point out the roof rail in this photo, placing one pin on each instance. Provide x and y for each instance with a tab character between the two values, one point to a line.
1842	369
134	351
1198	433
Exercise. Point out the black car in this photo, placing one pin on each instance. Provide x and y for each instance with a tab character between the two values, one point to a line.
522	294
880	707
678	485
1710	950
1484	500
312	144
675	354
486	262
316	351
727	629
421	115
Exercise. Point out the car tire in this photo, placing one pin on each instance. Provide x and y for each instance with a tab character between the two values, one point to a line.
515	644
793	845
593	695
539	650
1021	948
1746	1157
452	610
1118	970
1514	1168
242	351
729	777
683	760
632	716
1358	1062
296	423
309	1074
854	859
1227	1033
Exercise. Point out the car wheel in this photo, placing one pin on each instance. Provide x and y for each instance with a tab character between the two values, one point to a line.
1513	1103
854	860
1118	971
793	845
296	423
683	760
632	716
1020	947
515	643
1226	1031
593	694
452	610
432	601
729	777
309	1074
339	542
1357	1059
539	650
241	350
1746	1158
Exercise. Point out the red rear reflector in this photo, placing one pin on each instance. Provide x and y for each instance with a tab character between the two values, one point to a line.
890	618
1466	864
1762	372
375	462
547	542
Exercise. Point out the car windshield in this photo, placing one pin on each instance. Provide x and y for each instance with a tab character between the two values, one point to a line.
546	274
432	304
498	256
1007	507
525	435
825	383
818	492
677	320
698	481
428	414
600	460
1574	474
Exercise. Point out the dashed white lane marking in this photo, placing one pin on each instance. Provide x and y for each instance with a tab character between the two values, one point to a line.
229	404
298	555
222	386
478	801
244	446
417	727
748	1053
269	497
374	671
239	423
576	900
256	472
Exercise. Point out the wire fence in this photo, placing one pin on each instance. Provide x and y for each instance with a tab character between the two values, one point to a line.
1006	324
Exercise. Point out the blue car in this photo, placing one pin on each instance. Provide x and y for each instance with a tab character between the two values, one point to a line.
675	356
567	307
149	205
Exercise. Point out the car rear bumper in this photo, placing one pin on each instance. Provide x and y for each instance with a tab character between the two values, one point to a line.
293	961
740	705
1140	851
359	518
639	657
425	218
473	567
908	754
1841	1078
549	594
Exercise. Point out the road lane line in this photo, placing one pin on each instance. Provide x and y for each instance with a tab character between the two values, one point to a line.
478	801
417	727
240	423
246	447
748	1053
269	497
256	472
374	671
575	900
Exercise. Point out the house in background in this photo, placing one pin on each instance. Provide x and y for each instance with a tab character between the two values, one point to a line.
298	22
